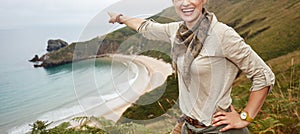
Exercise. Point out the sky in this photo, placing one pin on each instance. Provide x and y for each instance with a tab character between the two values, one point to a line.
16	14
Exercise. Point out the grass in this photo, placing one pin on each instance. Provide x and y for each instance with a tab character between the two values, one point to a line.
281	110
137	113
280	113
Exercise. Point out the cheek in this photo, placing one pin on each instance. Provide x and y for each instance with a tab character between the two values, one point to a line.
177	9
198	3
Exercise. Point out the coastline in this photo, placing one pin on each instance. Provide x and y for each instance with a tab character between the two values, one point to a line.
151	74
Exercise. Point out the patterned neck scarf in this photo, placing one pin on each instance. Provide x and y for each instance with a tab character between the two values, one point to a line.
189	42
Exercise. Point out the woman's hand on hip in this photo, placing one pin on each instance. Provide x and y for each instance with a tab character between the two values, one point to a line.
231	119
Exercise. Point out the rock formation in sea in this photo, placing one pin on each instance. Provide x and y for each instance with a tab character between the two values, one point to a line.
54	45
35	59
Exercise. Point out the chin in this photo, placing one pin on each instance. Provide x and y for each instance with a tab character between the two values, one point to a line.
189	19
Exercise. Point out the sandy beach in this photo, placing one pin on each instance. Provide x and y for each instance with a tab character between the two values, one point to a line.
152	73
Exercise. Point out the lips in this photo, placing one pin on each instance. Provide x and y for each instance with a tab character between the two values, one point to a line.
188	11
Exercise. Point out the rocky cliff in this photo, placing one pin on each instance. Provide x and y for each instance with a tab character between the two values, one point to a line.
124	40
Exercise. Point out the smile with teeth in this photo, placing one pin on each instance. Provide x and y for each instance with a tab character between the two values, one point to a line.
190	10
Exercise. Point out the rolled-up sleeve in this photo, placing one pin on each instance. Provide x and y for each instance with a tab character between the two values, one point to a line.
245	58
157	31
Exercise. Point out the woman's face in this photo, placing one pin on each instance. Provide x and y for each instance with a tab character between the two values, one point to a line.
189	10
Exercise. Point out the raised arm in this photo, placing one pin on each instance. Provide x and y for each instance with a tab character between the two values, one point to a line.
150	29
133	23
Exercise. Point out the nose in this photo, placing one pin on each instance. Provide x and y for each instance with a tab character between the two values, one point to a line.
186	2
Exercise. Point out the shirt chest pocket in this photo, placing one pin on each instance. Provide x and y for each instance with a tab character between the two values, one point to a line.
211	48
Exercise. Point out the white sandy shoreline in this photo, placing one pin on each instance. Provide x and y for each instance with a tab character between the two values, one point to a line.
154	76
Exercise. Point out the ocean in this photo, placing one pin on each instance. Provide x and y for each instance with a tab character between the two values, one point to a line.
28	94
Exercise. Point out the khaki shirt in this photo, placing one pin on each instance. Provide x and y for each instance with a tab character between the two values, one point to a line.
214	70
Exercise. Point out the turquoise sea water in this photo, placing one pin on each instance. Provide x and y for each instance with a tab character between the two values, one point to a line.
28	94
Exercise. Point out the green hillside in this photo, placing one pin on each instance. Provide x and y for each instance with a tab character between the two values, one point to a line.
271	27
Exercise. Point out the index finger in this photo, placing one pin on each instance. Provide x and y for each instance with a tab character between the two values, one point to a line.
110	14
